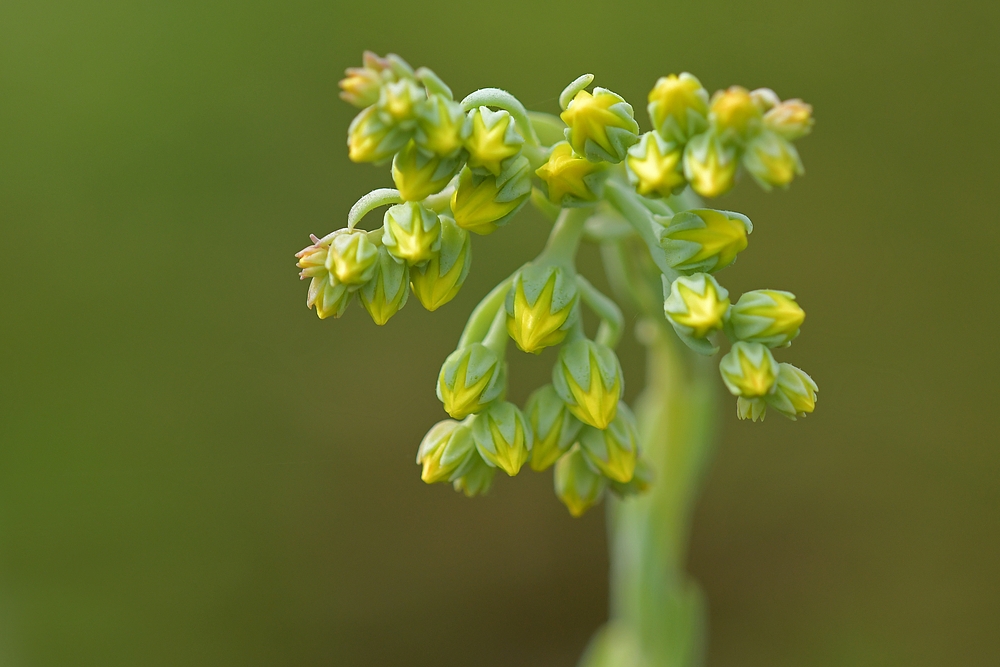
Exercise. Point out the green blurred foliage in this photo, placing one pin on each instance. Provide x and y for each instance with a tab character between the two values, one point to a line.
194	470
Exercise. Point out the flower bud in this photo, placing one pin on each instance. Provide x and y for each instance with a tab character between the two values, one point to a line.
709	167
703	239
554	428
765	99
412	233
734	113
352	257
476	477
570	180
753	409
370	139
491	139
795	395
770	317
749	370
792	119
329	296
613	451
418	174
387	291
678	107
589	378
441	127
445	450
483	203
360	87
503	437
697	306
577	485
438	281
471	378
540	306
654	168
772	160
399	101
641	480
600	126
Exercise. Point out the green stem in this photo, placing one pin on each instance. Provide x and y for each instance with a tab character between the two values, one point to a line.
484	314
371	201
624	199
496	338
565	237
612	322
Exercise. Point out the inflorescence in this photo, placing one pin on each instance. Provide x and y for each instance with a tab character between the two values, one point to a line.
470	166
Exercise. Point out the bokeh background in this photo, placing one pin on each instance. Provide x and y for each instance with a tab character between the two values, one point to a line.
195	470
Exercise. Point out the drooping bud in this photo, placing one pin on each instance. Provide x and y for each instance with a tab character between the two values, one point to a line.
445	450
418	174
770	317
554	428
326	294
589	378
734	114
412	233
399	102
387	291
613	451
792	119
765	99
370	139
491	139
503	437
541	306
696	306
482	203
476	477
570	180
641	480
352	257
600	126
795	395
709	167
439	280
471	378
703	239
577	485
678	107
749	370
772	160
441	127
654	167
754	409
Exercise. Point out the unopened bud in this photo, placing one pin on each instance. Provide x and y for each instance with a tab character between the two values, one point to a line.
697	306
570	180
439	280
792	119
600	126
749	370
412	233
654	167
476	477
482	203
754	409
540	306
770	317
734	113
370	139
703	239
360	87
795	395
491	139
577	485
588	377
709	167
471	378
445	449
772	160
352	257
678	107
419	174
613	451
554	428
765	99
326	293
641	480
503	437
387	291
399	102
441	127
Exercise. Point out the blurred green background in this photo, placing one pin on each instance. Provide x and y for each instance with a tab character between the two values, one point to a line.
195	470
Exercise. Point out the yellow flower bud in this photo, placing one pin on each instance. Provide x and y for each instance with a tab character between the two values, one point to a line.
387	291
483	203
369	139
749	370
326	294
642	479
770	317
678	106
399	102
570	179
734	113
444	451
765	98
795	395
754	409
412	233
577	485
697	306
503	437
709	167
439	280
471	378
613	451
703	239
792	119
441	127
588	378
771	160
600	126
360	87
492	139
540	306
352	257
654	168
476	477
418	174
554	428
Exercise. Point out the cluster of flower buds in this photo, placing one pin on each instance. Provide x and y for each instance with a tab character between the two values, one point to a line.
469	166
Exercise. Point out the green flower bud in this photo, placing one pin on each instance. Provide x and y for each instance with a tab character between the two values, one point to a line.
749	370
438	281
753	409
441	127
445	450
370	139
600	126
399	102
696	306
641	480
703	240
765	98
412	233
678	107
471	378
792	119
326	294
734	114
770	317
772	160
541	306
418	174
503	437
613	451
795	395
387	291
483	203
476	477
360	87
491	139
554	428
570	180
577	485
352	257
589	378
654	168
709	167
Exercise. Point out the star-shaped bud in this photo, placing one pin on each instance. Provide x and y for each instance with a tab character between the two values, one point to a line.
419	174
554	428
795	395
387	291
709	166
503	437
412	233
654	167
614	450
491	139
482	203
749	370
471	378
570	179
772	160
600	126
439	280
734	113
577	485
370	139
588	377
703	240
445	451
770	317
696	306
678	106
540	306
441	127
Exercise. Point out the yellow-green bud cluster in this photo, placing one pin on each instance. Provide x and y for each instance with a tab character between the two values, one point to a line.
541	306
